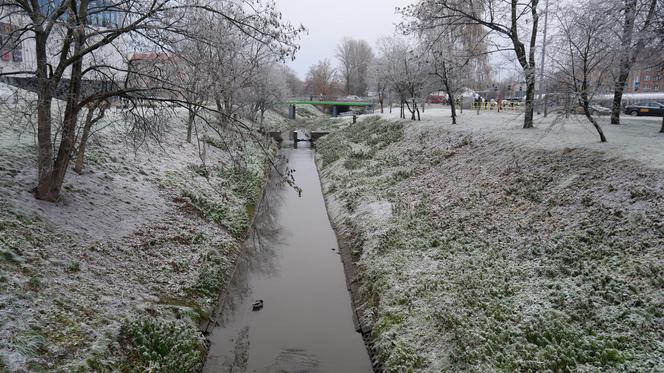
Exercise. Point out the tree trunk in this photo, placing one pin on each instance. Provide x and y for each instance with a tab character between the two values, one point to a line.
585	101
70	120
224	117
190	123
625	60
80	155
412	116
592	120
619	88
450	97
417	109
450	94
90	121
44	102
530	99
412	109
527	62
662	129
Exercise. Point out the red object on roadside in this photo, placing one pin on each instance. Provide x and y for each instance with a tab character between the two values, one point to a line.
6	56
433	99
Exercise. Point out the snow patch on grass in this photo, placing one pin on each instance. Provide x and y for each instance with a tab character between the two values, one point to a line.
483	254
119	273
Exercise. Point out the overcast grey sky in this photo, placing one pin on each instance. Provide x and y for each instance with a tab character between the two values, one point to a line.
328	21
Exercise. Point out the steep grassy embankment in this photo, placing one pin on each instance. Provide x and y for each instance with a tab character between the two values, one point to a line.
477	254
119	273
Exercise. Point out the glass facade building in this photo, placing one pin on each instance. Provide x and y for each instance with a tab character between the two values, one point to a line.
102	13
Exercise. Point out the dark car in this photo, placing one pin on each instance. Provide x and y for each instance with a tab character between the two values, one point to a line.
653	109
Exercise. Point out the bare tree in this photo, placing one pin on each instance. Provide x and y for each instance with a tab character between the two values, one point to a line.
456	55
583	54
69	49
637	21
447	71
405	72
194	79
269	89
512	20
231	59
378	80
96	112
355	57
293	82
321	79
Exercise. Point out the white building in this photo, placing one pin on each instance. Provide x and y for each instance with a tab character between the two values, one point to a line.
19	55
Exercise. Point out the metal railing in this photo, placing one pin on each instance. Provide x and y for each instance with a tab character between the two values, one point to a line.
488	106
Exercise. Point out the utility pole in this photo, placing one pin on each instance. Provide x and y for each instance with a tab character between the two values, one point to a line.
542	85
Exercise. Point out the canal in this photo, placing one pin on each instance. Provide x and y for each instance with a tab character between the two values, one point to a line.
291	263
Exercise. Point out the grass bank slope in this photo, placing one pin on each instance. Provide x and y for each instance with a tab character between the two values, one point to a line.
117	275
480	254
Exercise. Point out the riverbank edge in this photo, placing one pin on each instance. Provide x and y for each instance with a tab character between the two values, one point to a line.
204	325
350	271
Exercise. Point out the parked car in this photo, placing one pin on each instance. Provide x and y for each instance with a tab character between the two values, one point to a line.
654	109
515	99
594	110
434	99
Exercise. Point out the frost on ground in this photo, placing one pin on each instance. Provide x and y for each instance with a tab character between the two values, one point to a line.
118	274
477	253
638	138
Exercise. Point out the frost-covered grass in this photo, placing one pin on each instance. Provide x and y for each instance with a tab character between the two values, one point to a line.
152	344
479	254
118	275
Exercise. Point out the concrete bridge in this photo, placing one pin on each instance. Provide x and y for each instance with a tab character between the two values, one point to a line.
335	105
310	137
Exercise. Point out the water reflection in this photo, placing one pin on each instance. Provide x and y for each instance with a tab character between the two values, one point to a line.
257	258
306	323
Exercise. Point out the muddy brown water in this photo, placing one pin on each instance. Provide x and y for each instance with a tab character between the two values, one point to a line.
306	324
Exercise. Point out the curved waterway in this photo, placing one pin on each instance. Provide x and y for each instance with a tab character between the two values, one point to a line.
291	262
